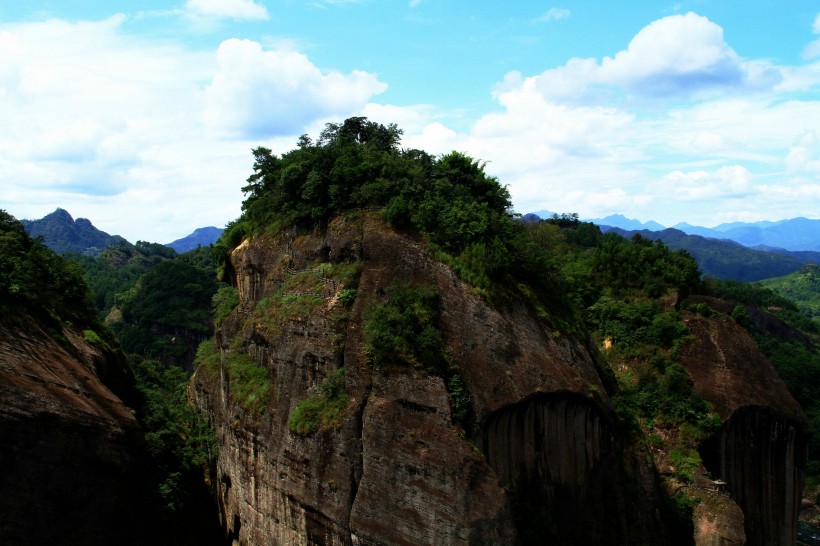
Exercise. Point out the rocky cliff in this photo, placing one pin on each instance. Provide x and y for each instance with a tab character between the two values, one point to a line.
69	445
760	452
537	457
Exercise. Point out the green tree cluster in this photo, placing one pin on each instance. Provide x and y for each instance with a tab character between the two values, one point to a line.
34	280
463	213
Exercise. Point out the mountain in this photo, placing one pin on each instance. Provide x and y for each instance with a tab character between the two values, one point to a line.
723	259
200	237
61	233
621	221
796	234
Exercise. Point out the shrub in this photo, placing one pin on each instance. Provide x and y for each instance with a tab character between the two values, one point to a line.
321	410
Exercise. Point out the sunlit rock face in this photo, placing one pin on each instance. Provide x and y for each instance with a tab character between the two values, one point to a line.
761	450
70	447
397	469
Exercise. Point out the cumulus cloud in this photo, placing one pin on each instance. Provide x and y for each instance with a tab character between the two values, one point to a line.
679	55
238	10
258	93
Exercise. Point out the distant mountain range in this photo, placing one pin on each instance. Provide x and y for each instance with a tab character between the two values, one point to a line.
62	233
736	251
200	237
725	259
796	234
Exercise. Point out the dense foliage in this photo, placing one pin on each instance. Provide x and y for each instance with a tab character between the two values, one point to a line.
181	446
35	280
802	287
463	213
402	331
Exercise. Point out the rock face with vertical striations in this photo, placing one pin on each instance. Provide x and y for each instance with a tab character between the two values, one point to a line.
70	447
539	454
760	451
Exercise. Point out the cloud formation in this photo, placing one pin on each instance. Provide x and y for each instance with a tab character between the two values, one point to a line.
257	93
677	56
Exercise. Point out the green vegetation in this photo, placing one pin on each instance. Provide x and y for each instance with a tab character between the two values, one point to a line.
724	259
61	233
801	287
248	383
462	213
402	331
322	410
180	446
35	281
223	302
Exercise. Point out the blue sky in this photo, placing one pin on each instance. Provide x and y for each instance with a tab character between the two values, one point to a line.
141	115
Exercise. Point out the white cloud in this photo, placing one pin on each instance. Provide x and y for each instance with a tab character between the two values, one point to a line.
238	10
679	55
553	14
804	156
258	93
728	181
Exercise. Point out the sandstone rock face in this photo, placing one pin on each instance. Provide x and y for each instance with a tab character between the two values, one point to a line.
68	444
761	449
396	469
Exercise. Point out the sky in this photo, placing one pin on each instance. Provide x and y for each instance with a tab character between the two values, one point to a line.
141	115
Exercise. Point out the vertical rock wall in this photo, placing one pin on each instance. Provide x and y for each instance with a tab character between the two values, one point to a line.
560	456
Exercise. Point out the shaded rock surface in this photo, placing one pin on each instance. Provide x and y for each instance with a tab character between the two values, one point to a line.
68	443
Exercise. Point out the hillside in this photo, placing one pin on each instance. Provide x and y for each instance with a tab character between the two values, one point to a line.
61	233
724	259
802	287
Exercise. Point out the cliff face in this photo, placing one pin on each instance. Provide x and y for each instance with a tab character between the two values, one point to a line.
539	456
539	460
68	459
760	451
